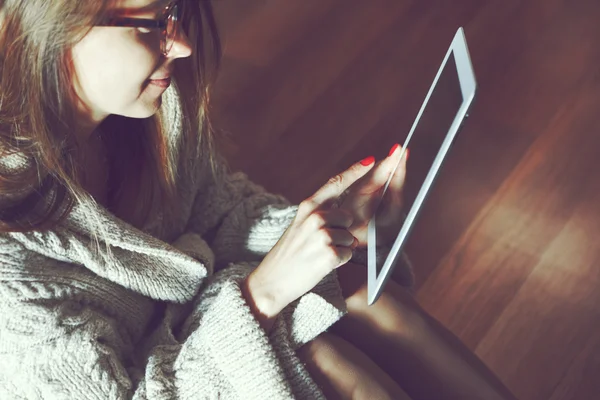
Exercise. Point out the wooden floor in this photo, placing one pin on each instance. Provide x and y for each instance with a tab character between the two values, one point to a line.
507	249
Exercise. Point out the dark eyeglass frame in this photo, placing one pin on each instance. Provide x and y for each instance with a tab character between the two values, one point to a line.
170	12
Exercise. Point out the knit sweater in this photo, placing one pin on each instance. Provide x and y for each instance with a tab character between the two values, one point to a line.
156	312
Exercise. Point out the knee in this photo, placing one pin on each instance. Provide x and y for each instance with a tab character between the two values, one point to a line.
390	313
343	371
329	365
311	351
396	311
323	351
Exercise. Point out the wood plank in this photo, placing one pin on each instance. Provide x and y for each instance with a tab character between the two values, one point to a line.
563	302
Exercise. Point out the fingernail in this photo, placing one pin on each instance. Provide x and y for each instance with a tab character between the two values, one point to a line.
407	153
393	149
368	161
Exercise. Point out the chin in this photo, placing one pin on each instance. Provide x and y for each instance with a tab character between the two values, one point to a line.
145	109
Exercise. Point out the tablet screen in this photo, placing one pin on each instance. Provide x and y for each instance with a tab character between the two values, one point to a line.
424	145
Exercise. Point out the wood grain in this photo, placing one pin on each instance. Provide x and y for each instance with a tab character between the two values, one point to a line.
506	249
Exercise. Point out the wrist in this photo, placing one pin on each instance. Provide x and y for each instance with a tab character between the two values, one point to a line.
261	301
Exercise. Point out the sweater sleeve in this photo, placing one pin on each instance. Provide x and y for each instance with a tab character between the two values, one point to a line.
72	349
240	220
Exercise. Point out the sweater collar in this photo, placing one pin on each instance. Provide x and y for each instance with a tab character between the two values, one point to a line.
123	254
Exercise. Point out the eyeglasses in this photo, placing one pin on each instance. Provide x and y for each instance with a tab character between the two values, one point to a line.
167	24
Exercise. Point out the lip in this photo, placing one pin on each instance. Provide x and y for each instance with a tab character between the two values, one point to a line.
163	83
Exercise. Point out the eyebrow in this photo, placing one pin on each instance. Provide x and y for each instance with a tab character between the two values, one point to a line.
155	6
158	5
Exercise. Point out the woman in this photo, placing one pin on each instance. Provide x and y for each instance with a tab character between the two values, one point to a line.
134	265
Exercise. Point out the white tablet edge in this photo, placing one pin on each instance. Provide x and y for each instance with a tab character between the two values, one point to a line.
468	86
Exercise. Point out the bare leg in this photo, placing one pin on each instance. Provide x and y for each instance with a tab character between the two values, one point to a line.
423	357
344	372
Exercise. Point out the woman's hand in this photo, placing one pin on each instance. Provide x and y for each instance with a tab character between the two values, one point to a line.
362	198
316	242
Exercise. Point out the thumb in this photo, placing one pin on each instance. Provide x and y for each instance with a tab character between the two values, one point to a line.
397	182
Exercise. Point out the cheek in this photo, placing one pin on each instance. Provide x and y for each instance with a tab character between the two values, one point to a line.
113	68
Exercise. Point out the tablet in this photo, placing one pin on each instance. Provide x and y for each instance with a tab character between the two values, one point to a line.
429	140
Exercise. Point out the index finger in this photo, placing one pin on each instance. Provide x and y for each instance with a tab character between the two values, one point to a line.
336	185
397	181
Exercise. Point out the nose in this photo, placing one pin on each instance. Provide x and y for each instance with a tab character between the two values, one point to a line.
181	45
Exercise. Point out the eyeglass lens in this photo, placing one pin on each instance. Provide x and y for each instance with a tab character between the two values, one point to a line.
171	29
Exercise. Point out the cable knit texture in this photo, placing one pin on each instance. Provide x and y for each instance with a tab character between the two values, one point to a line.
160	316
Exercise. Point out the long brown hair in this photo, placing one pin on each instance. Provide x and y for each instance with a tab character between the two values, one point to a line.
37	113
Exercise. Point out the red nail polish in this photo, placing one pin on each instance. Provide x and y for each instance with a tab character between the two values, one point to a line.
393	149
407	153
368	161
